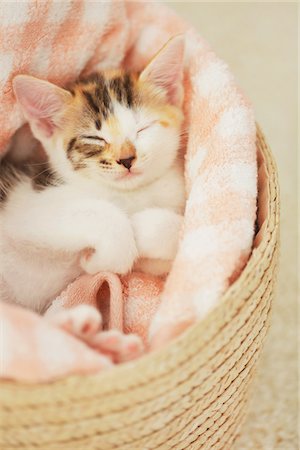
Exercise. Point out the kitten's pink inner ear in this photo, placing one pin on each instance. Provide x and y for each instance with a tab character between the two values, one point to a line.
41	102
165	70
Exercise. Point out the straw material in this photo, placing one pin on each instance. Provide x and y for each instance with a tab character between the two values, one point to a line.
189	395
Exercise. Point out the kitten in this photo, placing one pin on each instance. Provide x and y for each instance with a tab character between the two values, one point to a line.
111	193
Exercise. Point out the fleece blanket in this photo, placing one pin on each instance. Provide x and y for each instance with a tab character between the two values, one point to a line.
60	40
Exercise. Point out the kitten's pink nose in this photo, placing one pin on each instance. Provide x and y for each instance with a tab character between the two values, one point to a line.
126	162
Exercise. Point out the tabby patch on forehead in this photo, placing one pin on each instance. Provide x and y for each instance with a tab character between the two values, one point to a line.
91	101
99	101
122	86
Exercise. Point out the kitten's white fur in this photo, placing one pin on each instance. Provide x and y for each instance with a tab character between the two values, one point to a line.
45	236
43	233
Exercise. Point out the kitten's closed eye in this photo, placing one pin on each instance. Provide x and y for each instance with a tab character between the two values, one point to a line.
145	127
95	138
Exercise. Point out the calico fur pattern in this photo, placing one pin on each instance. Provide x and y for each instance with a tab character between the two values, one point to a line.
110	195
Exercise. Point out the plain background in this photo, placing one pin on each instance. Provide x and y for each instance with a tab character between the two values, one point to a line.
259	42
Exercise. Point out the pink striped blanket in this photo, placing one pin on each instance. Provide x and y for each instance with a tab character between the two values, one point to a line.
60	40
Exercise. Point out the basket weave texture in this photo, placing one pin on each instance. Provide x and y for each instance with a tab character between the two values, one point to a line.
189	395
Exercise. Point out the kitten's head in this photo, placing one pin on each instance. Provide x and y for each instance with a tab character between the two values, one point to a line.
116	127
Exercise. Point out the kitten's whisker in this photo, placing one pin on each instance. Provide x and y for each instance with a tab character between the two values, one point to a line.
40	173
35	164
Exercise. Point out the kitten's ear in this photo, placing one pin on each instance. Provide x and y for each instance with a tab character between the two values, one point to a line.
165	70
41	102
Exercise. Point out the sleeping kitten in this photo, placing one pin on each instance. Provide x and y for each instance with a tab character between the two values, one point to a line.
111	193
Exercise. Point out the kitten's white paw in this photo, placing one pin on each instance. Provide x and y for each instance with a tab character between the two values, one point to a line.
116	251
117	346
156	232
82	320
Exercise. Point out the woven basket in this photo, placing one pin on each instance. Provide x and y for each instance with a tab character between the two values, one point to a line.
190	395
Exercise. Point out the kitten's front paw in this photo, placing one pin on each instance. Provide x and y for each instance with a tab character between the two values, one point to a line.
115	252
81	320
157	233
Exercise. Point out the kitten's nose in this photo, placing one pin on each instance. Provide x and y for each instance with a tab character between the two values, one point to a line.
126	162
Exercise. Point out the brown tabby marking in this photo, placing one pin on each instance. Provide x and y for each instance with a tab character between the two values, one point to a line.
9	178
71	145
99	93
11	174
122	87
44	177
